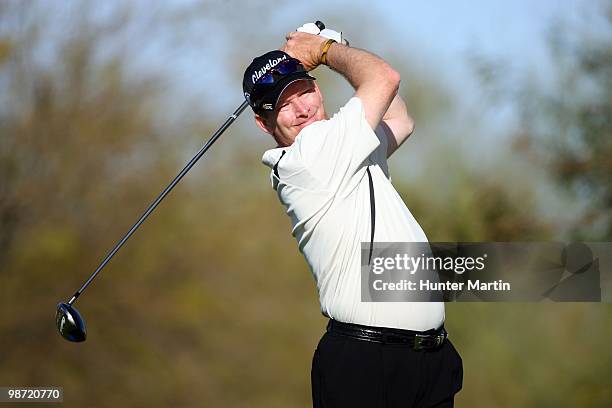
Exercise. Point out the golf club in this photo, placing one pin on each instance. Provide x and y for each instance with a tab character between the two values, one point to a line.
69	322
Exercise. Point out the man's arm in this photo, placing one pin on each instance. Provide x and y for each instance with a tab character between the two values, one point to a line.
397	123
375	82
374	86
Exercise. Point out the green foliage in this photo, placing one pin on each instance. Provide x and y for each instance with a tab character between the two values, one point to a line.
475	209
565	119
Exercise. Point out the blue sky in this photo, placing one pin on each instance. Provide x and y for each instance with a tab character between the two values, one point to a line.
432	34
435	34
436	37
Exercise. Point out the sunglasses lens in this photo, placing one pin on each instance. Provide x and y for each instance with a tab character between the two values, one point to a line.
284	68
287	67
266	79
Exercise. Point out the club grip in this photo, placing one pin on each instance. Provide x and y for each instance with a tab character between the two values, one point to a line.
321	27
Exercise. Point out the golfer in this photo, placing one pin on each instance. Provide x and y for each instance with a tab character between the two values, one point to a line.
331	175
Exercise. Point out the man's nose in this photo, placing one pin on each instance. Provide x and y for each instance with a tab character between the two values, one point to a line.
301	109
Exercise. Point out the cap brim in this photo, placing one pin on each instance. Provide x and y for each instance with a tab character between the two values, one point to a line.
281	85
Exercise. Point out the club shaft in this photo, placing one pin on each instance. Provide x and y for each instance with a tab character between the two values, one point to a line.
161	196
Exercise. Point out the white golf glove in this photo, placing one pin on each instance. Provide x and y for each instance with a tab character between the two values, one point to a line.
311	28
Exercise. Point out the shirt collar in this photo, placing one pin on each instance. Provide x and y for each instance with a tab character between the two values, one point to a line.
272	156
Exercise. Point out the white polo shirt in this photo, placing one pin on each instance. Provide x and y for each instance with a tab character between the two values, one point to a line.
324	186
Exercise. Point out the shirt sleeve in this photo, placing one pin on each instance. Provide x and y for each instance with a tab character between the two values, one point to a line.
334	150
379	156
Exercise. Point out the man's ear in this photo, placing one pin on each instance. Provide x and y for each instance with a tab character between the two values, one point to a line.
318	90
263	124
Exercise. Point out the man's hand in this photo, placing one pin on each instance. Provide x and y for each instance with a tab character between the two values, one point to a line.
305	47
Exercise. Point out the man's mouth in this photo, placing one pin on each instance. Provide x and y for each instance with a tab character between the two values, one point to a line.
306	122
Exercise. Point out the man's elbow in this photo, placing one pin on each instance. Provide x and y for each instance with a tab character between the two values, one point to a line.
405	130
392	79
409	126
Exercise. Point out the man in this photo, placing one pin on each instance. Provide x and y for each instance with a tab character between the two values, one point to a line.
332	176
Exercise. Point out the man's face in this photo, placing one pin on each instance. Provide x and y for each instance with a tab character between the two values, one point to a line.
300	104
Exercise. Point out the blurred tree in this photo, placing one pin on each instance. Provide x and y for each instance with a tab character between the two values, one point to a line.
84	146
68	124
473	208
211	304
566	119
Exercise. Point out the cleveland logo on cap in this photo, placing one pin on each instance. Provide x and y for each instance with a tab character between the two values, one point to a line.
265	97
271	64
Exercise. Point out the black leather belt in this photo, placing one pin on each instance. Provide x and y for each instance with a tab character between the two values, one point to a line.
426	340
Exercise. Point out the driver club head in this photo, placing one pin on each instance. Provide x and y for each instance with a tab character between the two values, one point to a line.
69	323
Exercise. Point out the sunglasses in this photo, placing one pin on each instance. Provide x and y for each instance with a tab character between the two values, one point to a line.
264	84
286	67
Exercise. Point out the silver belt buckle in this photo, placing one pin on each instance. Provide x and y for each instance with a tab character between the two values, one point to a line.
423	341
419	342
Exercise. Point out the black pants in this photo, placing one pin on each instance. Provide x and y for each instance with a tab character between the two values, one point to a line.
352	373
